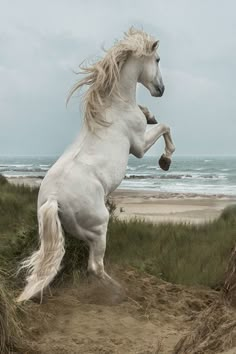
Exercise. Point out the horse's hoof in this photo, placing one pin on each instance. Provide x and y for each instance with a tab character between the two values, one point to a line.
164	163
151	120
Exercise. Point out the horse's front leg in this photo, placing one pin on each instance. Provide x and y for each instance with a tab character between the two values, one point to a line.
153	135
149	116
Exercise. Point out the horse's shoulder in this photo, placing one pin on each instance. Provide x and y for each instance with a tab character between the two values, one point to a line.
137	121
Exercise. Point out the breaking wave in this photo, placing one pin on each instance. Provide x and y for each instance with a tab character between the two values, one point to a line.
175	176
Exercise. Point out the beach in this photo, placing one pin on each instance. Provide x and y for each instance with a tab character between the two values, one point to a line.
158	207
169	207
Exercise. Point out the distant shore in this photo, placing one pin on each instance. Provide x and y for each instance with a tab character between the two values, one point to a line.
28	181
158	207
169	207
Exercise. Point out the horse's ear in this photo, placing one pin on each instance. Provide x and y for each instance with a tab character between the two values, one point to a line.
155	45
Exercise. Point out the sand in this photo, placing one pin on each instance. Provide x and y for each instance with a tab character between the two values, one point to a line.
169	207
150	319
159	207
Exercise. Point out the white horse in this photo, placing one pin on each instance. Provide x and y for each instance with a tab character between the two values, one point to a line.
73	193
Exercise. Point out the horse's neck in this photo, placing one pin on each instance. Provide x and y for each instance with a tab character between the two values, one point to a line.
119	104
127	84
127	116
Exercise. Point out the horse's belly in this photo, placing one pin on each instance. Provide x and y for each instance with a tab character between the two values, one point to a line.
116	177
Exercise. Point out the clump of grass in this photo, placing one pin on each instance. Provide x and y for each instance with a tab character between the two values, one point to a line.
214	331
18	222
3	180
74	263
17	210
229	288
111	207
10	328
229	214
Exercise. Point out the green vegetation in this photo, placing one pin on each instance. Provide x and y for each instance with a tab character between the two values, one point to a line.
10	326
18	222
186	254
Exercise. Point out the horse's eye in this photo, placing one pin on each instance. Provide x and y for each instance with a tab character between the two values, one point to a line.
157	60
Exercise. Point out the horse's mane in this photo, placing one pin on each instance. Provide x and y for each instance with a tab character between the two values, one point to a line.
103	76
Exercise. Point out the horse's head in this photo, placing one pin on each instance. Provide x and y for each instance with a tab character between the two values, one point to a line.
133	58
150	75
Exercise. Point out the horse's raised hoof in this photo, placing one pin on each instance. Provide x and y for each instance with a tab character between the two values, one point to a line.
151	120
164	163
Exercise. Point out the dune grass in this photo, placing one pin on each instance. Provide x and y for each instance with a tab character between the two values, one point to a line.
10	326
186	254
17	220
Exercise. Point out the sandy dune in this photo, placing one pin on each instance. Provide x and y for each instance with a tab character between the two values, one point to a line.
152	317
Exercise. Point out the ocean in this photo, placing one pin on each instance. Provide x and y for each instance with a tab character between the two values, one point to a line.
188	174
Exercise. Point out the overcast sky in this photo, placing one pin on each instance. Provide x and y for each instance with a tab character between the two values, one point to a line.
42	42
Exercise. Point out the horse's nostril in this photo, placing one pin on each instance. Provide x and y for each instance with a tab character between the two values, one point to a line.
160	90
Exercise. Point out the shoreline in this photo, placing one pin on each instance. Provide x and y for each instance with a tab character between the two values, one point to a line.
158	207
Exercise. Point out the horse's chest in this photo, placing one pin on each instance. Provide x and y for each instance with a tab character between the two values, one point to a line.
138	131
138	124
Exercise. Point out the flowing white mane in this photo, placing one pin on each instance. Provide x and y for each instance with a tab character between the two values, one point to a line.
103	76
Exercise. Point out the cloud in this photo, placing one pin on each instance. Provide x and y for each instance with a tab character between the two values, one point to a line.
41	43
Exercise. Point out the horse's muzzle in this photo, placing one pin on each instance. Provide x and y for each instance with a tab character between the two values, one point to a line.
160	90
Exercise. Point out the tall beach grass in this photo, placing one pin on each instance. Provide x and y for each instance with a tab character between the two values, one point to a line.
179	253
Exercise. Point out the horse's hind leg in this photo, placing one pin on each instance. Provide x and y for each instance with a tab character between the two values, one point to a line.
97	247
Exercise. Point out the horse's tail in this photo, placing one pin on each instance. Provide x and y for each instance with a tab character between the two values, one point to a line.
44	264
